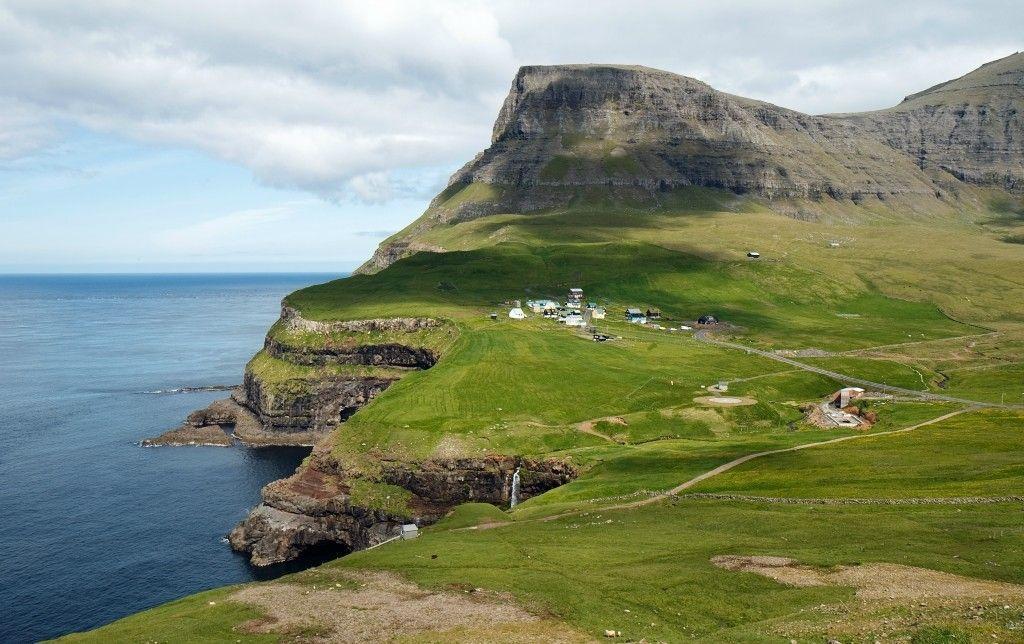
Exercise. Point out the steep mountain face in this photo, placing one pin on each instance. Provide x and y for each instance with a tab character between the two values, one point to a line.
639	132
971	127
599	125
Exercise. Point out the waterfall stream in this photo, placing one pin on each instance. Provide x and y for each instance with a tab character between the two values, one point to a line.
514	499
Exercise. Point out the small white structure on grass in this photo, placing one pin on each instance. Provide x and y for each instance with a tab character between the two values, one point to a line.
753	254
845	395
598	313
517	314
574	319
409	531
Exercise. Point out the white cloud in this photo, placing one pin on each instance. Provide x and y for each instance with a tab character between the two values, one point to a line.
223	234
344	98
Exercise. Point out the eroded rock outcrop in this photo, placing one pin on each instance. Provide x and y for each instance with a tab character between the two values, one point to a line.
321	503
309	406
300	408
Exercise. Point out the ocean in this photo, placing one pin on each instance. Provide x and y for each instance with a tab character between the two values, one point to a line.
92	526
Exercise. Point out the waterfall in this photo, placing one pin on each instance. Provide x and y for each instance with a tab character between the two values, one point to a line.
515	490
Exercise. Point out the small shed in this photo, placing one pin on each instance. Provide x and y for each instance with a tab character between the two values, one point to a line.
409	531
517	313
494	316
707	319
753	254
653	314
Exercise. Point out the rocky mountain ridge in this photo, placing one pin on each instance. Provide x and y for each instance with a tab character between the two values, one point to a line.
564	129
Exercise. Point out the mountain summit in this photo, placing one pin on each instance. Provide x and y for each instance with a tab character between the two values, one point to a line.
638	132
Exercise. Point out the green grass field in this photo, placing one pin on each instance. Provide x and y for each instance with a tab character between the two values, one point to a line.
924	301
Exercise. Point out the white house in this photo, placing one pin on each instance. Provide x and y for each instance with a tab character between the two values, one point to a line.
539	306
598	313
574	319
517	314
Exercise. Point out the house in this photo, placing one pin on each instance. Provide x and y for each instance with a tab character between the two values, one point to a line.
576	296
707	319
653	314
635	316
573	319
753	254
409	531
598	313
591	305
517	314
842	398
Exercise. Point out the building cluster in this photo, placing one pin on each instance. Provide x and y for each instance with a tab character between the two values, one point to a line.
575	311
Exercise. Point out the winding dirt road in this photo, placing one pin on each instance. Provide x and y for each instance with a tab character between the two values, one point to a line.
705	336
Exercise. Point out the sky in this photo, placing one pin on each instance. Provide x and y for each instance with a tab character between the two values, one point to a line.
285	136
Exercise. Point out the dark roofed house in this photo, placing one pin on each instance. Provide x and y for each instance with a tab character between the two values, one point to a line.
636	316
654	314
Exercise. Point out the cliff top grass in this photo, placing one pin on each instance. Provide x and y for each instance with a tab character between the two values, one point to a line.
942	253
437	338
276	374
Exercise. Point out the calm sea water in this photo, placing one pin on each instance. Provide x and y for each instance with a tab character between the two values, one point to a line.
93	527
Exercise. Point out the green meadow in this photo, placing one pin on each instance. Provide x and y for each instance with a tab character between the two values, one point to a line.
927	303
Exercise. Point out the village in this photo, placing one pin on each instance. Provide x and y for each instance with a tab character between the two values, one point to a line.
577	312
846	408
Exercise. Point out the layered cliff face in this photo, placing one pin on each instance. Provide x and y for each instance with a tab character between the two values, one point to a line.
971	127
329	502
310	377
638	133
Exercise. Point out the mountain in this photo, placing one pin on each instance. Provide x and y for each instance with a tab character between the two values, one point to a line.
971	127
638	132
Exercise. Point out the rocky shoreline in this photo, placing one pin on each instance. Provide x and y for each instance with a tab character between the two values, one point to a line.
317	505
328	501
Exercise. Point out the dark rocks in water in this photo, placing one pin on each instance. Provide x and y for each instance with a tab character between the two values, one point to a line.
210	426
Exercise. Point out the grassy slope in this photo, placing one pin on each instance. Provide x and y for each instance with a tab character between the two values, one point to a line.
523	387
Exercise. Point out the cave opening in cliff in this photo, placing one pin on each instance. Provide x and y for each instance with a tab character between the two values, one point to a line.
311	556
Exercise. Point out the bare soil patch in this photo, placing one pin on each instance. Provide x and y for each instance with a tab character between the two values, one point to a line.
384	607
873	581
724	401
